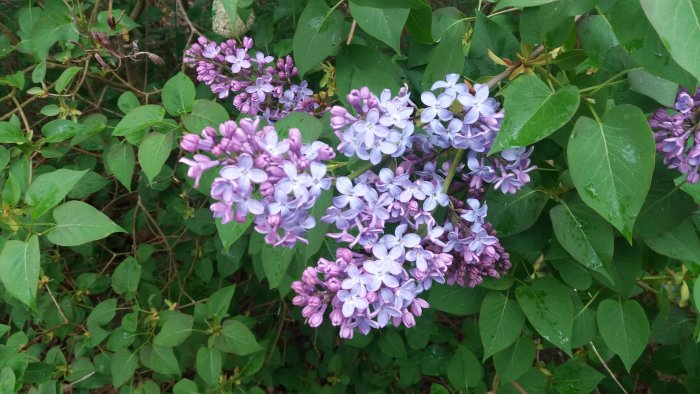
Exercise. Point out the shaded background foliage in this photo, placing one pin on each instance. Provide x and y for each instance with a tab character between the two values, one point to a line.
116	278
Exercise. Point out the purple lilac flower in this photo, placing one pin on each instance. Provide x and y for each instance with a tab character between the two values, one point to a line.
260	175
382	125
677	134
259	85
396	248
473	129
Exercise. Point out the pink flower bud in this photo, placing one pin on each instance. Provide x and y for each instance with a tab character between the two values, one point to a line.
333	285
189	142
316	319
408	319
337	317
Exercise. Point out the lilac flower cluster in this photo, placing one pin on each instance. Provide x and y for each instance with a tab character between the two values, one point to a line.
381	280
382	126
277	181
260	85
454	117
677	134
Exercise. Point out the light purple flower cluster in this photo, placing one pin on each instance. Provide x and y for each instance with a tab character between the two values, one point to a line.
260	85
381	280
454	117
677	134
382	126
277	181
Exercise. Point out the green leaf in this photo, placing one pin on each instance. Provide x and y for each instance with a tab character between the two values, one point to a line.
318	34
47	190
391	344
464	369
19	269
185	386
154	152
127	101
359	66
139	119
7	380
500	322
175	328
413	4
10	133
574	377
549	309
103	313
681	243
455	299
178	94
624	328
643	44
204	113
123	365
309	126
514	361
275	261
661	90
533	111
489	35
160	359
11	192
597	38
317	235
208	365
449	56
514	213
584	234
383	24
611	163
78	223
231	9
126	276
61	129
419	23
231	231
236	338
521	3
678	25
120	161
65	78
51	28
219	302
665	208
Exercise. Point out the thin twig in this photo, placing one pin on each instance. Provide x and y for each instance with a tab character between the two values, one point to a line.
60	311
518	387
352	32
612	375
21	114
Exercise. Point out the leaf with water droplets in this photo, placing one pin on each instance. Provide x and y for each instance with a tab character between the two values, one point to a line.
549	309
533	111
584	234
678	25
611	163
318	35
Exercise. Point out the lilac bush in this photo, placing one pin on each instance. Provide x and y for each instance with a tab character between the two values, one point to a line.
677	136
418	221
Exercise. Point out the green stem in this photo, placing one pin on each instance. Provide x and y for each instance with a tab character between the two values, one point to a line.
453	169
593	111
598	88
360	170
